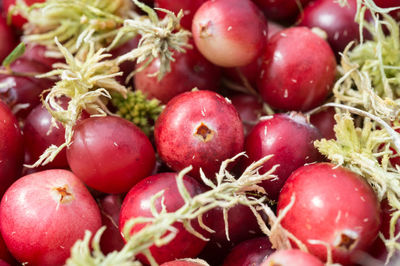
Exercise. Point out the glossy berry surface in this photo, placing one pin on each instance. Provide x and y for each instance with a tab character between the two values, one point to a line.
291	257
325	122
332	205
222	34
43	214
189	70
296	77
11	148
198	128
281	10
39	135
338	22
137	204
110	207
290	139
6	35
23	93
249	253
250	109
110	154
242	225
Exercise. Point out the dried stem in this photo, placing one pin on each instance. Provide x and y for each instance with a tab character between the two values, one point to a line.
225	193
84	83
76	23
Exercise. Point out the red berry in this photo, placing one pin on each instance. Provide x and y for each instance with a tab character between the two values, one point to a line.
189	70
110	154
249	253
23	93
325	122
198	128
292	257
338	22
43	214
250	108
11	148
390	3
38	137
281	10
222	34
296	77
7	39
290	139
110	207
332	205
242	225
137	204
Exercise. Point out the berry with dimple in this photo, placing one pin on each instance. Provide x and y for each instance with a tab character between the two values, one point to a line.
331	206
43	214
198	128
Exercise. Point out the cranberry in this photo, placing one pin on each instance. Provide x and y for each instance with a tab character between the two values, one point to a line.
325	122
36	52
17	20
110	154
137	204
242	225
281	10
38	137
292	257
290	139
24	90
126	67
222	34
110	207
7	39
249	253
378	249
296	77
182	263
43	214
198	128
11	148
338	22
332	205
250	108
190	70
